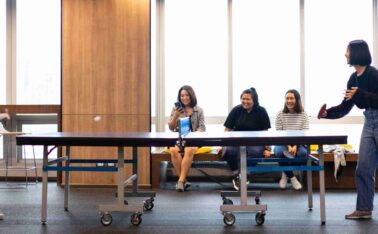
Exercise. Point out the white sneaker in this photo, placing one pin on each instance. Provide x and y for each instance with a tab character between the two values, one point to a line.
295	183
283	181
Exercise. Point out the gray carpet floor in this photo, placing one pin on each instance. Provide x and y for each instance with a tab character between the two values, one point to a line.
195	211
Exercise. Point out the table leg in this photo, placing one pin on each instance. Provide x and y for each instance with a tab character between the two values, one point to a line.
309	183
67	179
243	175
121	176
44	186
322	186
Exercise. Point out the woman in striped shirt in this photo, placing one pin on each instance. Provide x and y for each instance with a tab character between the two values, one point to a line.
292	117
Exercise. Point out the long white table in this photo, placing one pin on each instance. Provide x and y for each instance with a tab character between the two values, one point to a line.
143	139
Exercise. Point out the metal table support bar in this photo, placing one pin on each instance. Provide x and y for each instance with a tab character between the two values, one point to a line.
226	209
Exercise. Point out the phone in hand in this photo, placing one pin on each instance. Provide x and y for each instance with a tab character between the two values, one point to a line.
179	106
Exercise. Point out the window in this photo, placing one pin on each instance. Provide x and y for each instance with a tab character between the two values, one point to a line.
327	37
196	52
266	50
38	51
3	52
30	64
38	128
272	45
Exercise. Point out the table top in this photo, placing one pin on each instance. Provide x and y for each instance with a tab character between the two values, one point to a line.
246	138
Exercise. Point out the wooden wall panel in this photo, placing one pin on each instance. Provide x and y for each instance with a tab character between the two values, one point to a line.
106	65
106	72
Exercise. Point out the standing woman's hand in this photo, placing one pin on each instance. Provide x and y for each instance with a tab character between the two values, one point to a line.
349	93
323	111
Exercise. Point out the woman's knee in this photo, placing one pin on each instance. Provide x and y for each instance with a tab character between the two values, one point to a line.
174	152
302	152
189	151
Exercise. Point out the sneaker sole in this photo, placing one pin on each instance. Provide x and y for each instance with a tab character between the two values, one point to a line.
359	217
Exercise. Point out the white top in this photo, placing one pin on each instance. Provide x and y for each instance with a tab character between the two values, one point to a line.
292	121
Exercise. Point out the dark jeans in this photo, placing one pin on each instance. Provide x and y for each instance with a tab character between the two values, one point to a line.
367	162
232	155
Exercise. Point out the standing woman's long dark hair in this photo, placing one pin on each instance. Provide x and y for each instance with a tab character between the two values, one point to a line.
298	108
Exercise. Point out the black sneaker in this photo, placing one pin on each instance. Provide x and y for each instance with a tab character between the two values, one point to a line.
187	185
236	182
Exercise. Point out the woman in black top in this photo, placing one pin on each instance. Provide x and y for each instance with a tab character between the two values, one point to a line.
248	116
362	91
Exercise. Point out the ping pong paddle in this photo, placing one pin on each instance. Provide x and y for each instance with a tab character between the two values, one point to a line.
322	110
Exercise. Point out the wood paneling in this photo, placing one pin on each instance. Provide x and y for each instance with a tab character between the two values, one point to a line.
31	109
106	72
106	65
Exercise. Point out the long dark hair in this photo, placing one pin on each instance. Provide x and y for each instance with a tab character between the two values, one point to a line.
192	95
298	108
255	97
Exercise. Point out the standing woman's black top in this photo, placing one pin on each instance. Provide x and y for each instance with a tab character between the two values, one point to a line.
366	96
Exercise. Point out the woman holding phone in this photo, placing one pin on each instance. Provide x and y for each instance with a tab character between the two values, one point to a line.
186	106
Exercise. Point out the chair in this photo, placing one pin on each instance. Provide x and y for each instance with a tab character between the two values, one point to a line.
8	158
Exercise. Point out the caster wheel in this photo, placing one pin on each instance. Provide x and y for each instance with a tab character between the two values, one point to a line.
229	219
260	218
125	202
106	219
148	204
136	219
227	201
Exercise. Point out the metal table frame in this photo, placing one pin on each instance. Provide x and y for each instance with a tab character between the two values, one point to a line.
95	139
140	139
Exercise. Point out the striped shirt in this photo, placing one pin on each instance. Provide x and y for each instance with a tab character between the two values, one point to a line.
292	121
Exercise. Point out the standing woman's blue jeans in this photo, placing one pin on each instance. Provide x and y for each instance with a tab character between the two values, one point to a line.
278	152
367	161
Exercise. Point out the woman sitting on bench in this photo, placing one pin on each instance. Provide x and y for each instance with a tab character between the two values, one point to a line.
247	116
292	117
186	106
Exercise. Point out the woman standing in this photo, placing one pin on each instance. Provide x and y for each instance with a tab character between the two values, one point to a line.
187	107
362	91
292	117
